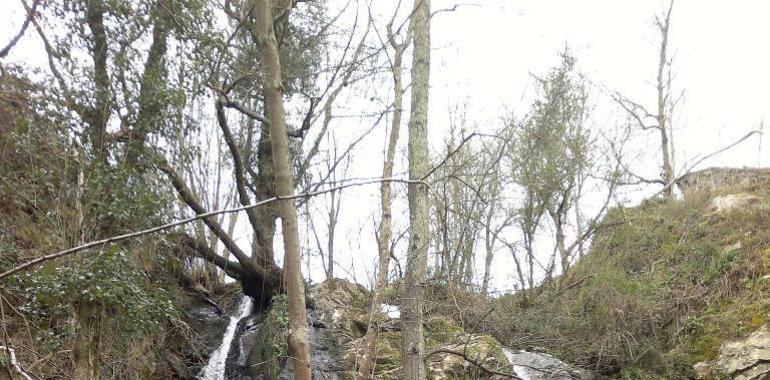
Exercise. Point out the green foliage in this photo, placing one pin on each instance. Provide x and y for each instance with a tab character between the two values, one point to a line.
110	279
552	148
271	348
665	284
9	250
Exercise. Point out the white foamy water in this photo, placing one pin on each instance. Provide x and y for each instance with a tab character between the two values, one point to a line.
215	368
517	369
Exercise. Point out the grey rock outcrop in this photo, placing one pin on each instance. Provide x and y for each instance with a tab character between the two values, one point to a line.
746	359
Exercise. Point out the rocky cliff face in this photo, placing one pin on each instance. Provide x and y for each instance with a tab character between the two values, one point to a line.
712	179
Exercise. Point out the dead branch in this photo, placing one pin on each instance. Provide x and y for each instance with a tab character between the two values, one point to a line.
14	363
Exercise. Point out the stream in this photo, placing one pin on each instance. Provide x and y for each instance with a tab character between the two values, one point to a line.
215	368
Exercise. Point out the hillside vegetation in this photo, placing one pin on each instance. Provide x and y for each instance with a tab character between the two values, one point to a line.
664	285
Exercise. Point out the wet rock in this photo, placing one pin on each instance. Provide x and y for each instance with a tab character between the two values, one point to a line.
542	366
204	326
245	340
322	357
748	358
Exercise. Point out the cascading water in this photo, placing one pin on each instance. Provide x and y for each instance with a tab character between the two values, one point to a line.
215	368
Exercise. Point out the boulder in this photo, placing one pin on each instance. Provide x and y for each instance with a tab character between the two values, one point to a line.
542	366
480	348
746	359
342	306
730	202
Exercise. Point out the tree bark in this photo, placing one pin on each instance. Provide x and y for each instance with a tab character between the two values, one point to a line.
299	347
412	344
664	89
100	112
383	240
153	82
87	351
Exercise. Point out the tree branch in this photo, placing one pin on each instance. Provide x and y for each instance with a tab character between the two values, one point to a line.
201	216
233	269
30	15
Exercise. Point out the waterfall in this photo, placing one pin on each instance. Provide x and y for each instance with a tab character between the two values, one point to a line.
215	368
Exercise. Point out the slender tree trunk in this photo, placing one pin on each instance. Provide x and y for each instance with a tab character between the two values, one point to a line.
330	239
490	237
299	347
662	118
517	264
528	237
560	245
412	345
383	240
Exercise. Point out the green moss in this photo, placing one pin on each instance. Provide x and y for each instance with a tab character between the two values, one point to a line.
270	348
441	329
388	352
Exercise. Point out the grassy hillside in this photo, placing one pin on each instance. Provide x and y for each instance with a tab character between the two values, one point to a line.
665	284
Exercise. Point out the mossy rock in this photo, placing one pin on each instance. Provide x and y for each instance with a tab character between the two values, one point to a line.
482	348
441	329
388	359
343	306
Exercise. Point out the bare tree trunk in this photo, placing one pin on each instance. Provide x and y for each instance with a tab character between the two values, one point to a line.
383	240
330	239
662	87
560	245
299	347
412	345
489	240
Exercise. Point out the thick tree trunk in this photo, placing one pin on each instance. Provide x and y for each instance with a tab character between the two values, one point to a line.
412	344
87	345
153	82
100	112
383	240
272	86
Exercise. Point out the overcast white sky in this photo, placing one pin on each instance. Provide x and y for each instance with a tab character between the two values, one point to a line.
483	54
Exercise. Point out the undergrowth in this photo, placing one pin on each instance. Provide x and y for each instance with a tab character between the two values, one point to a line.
664	285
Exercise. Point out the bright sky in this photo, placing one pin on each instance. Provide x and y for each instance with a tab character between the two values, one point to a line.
483	55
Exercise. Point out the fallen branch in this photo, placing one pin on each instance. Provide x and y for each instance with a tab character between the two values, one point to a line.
167	226
14	363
